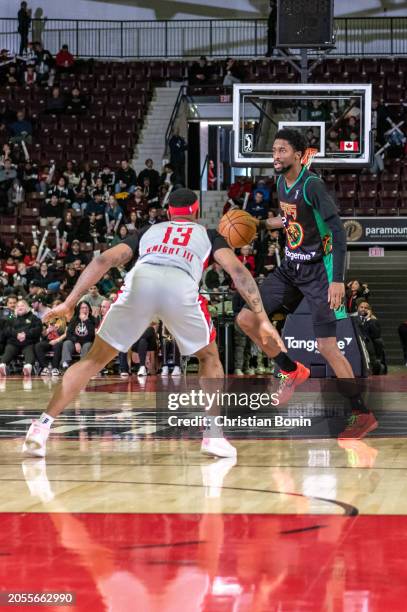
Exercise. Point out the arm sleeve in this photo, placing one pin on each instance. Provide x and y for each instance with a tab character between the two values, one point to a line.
133	243
324	203
217	241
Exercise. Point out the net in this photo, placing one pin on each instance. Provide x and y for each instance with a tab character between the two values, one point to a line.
308	156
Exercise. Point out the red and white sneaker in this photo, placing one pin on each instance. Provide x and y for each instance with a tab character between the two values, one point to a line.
290	380
359	425
3	369
219	447
36	440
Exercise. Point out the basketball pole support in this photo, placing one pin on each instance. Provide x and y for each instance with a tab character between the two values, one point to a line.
302	67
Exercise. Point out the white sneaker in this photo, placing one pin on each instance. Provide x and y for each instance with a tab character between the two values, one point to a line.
36	440
124	374
219	447
214	473
239	372
27	369
3	369
55	372
164	371
176	371
45	372
142	371
65	365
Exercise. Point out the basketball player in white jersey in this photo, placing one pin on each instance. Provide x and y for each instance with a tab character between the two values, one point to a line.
164	284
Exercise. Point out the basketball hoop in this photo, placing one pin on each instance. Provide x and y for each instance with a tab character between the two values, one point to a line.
308	156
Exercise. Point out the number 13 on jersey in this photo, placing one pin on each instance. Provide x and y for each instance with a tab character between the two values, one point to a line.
181	238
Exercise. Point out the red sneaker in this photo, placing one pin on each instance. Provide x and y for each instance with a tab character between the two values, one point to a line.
290	380
359	425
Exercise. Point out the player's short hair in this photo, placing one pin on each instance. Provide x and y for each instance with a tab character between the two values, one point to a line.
294	138
181	198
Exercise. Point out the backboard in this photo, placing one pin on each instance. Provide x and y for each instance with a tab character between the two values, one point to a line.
336	119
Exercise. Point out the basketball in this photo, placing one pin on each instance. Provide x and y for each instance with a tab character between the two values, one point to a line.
238	228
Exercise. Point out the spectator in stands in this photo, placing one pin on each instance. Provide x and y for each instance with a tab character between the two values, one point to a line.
30	76
107	177
31	257
21	334
7	175
68	227
20	279
177	146
30	177
21	129
126	178
43	62
354	291
168	176
5	154
40	306
74	253
150	173
77	103
81	196
89	174
45	178
371	333
79	335
107	284
211	175
262	188
257	207
233	74
317	111
200	72
215	278
134	222
113	216
61	190
152	217
12	76
121	234
64	60
15	195
56	104
45	276
247	258
52	212
53	336
92	229
71	276
71	175
94	299
96	206
147	343
24	23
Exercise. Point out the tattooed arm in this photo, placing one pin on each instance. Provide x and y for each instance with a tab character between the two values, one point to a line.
243	280
116	256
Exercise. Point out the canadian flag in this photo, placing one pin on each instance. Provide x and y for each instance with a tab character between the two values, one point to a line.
349	145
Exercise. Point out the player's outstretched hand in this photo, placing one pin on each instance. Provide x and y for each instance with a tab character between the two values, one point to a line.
64	310
336	293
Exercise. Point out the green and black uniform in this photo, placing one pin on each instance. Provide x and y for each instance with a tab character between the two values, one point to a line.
314	254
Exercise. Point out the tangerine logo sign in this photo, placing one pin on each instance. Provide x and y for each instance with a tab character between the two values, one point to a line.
295	235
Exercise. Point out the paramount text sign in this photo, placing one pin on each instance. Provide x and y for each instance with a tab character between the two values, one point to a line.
376	230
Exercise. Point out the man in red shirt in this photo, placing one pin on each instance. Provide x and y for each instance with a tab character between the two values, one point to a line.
64	60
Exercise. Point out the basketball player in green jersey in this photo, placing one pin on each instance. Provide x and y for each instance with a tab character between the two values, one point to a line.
313	266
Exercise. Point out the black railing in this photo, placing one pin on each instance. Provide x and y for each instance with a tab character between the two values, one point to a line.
201	178
174	115
195	37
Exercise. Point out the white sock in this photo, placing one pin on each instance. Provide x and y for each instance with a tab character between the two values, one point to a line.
45	419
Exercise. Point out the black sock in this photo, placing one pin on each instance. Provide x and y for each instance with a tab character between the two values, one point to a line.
351	389
285	363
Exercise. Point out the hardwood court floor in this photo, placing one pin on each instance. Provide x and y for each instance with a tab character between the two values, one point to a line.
131	517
